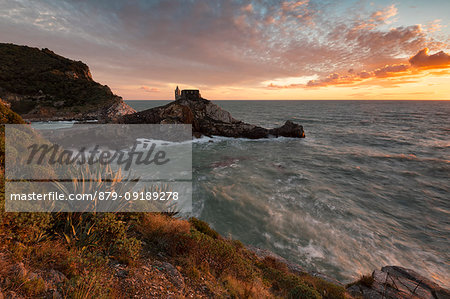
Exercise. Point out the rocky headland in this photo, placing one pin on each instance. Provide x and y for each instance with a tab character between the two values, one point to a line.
207	119
43	86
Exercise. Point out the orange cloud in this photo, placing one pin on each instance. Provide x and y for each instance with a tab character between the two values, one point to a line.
385	14
434	26
418	63
390	70
424	60
376	19
333	79
248	8
394	70
150	89
293	5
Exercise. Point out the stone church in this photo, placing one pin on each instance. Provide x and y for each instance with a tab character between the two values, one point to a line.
187	93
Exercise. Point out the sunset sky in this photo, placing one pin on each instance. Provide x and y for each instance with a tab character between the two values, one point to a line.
258	49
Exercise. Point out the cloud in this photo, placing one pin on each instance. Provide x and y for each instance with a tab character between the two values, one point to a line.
365	74
384	14
390	70
417	64
380	46
293	5
248	8
423	60
332	79
434	26
150	89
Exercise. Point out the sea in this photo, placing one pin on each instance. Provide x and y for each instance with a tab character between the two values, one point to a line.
369	186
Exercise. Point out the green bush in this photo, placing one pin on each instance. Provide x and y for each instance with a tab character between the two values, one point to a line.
203	227
26	227
288	284
221	257
127	250
301	291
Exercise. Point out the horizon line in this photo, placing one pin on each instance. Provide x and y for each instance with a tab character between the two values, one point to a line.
436	100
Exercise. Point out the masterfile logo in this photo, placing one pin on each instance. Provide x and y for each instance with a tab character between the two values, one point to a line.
99	168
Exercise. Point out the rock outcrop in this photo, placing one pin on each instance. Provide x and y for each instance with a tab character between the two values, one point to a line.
397	282
41	85
208	119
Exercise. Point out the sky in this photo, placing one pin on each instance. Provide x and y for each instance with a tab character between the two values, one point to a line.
238	50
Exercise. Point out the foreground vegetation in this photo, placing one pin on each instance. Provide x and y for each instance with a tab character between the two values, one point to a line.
85	248
115	255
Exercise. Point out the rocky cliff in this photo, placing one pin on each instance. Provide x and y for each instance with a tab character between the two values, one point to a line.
41	85
208	119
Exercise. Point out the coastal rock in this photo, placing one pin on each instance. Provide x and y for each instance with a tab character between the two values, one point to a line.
173	275
207	119
117	109
289	129
397	282
108	113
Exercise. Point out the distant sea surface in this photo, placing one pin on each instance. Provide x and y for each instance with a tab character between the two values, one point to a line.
369	186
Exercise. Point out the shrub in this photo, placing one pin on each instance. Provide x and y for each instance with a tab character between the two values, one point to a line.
165	233
7	116
94	284
128	250
26	227
242	289
326	289
33	287
288	284
221	257
203	227
301	291
103	232
275	264
52	254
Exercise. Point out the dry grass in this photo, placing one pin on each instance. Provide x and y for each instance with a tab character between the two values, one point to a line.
326	289
159	224
366	280
165	233
242	289
55	255
275	264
